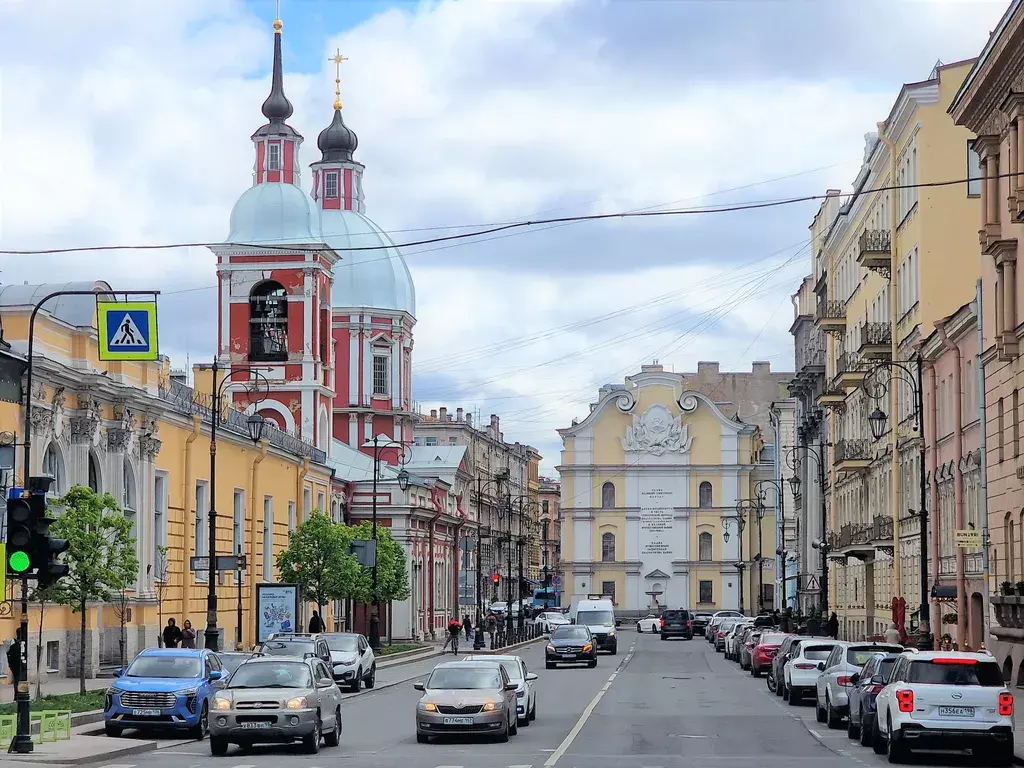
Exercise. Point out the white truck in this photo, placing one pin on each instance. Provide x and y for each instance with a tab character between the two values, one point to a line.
597	614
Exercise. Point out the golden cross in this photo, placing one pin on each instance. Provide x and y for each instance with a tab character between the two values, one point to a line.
337	58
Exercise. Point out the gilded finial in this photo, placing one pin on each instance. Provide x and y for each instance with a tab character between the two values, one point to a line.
277	19
337	58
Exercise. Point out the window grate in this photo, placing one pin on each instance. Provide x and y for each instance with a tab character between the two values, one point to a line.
381	375
331	184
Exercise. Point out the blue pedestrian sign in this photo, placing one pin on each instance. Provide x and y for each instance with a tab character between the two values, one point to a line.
127	330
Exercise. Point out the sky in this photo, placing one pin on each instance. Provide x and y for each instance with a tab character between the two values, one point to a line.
128	122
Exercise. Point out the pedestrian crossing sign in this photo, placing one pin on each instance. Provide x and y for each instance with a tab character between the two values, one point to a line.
127	330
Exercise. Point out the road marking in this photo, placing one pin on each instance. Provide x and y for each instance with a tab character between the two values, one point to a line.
814	733
688	736
120	765
567	742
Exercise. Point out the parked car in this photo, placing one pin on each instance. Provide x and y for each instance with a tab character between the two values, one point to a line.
749	643
352	661
867	684
774	677
526	691
763	652
548	620
163	688
467	698
833	684
700	622
945	699
649	623
734	639
676	623
572	644
277	700
232	660
724	629
800	674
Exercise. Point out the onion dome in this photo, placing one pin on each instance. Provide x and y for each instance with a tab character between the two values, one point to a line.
337	141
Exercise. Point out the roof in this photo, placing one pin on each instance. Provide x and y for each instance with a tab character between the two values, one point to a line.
436	457
79	311
353	465
171	651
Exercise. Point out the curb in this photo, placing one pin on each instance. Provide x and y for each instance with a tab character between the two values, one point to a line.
121	751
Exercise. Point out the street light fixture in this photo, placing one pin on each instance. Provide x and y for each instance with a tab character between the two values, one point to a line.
877	421
403	480
255	423
403	483
794	484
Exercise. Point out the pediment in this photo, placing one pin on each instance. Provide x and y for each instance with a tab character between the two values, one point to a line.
657	573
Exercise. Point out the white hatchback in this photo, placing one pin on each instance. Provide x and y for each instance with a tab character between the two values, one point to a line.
551	619
800	675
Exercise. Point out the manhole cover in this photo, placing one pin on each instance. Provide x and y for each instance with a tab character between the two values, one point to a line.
684	677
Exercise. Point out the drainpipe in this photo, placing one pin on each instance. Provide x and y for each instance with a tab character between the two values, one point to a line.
430	585
781	601
958	480
933	466
188	494
983	460
254	487
457	560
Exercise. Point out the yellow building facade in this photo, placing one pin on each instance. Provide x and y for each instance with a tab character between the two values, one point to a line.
655	483
887	266
136	431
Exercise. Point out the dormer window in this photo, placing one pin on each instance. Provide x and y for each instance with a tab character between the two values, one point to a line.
268	322
331	185
274	156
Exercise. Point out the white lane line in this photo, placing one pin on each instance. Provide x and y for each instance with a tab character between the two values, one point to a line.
567	742
814	733
177	752
119	765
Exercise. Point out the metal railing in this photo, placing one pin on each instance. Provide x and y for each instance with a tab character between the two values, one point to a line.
811	353
848	362
875	335
875	241
503	638
852	450
830	309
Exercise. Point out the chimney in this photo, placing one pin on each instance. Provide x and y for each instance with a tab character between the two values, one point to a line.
433	414
762	368
654	367
458	414
495	430
469	419
444	414
707	367
832	192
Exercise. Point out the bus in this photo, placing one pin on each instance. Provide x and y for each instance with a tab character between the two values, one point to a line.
546	597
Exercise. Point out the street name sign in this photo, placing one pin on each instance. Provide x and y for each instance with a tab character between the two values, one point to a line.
224	563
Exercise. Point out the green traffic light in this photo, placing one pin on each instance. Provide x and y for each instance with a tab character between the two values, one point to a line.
18	562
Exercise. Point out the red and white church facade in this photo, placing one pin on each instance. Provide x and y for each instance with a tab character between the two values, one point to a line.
318	299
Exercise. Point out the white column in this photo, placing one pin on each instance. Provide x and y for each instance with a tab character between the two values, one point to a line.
353	363
396	369
353	430
308	309
225	314
367	361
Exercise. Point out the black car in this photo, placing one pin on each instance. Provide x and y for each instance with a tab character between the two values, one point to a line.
570	644
866	685
676	624
699	622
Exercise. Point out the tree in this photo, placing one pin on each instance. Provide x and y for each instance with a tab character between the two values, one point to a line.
392	573
160	568
97	533
319	561
124	568
42	597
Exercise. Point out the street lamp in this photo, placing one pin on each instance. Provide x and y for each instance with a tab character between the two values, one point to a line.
255	425
793	460
780	512
524	502
741	524
876	387
403	484
481	484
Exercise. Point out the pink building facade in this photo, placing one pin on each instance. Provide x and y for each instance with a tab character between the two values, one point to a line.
953	461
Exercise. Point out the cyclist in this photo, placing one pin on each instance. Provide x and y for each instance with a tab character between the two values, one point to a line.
454	630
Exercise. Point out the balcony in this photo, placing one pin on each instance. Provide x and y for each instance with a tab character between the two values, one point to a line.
850	372
832	398
875	341
852	455
874	251
831	317
881	534
810	357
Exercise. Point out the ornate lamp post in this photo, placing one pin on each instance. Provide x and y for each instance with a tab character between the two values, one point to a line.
524	502
741	524
481	484
820	544
779	512
403	483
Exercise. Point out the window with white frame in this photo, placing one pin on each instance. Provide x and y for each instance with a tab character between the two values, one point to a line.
973	170
307	503
274	156
159	518
431	441
320	502
202	507
381	373
907	180
268	538
331	185
292	522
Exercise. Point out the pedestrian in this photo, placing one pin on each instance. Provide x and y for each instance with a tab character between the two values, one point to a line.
892	635
454	630
492	626
14	664
467	626
188	635
832	627
813	627
172	634
316	624
776	618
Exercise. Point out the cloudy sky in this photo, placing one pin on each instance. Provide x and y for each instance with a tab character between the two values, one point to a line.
129	123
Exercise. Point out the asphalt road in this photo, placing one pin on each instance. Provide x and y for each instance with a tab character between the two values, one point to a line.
657	704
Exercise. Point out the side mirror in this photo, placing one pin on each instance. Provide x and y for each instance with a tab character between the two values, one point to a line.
119	672
418	686
821	666
511	686
878	680
326	682
216	674
531	676
855	678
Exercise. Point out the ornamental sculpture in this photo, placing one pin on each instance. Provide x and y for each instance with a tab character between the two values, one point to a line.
657	432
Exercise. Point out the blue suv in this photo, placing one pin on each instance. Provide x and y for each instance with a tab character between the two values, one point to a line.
164	688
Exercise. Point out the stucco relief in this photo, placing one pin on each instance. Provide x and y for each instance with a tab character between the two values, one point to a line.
657	432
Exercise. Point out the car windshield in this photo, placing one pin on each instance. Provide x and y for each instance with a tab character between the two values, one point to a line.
955	672
674	615
818	652
773	638
569	633
277	674
344	643
858	656
464	678
166	666
595	618
512	669
232	661
287	647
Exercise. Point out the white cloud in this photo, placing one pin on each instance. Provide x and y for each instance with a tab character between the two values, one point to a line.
129	122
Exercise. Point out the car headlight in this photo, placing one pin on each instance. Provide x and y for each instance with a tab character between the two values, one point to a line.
520	693
428	706
221	703
550	648
299	702
588	647
343	663
187	692
490	706
611	633
112	691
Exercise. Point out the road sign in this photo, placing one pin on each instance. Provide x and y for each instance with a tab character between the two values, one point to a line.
364	551
224	563
127	330
968	539
812	584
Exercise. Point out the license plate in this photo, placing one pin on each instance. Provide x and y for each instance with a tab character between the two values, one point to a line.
568	655
456	721
254	725
956	711
146	712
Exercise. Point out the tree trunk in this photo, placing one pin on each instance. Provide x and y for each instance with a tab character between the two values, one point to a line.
160	614
39	652
81	651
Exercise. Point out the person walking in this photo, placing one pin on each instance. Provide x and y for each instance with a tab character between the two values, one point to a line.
832	626
316	623
467	626
492	627
172	634
892	635
188	635
14	664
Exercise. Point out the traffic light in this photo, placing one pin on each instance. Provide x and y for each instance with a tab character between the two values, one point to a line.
495	578
45	548
19	532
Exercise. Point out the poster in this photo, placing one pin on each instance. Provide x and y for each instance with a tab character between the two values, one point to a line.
277	609
657	517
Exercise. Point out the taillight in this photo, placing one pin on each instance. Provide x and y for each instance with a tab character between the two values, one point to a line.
688	624
1006	704
805	666
843	680
906	700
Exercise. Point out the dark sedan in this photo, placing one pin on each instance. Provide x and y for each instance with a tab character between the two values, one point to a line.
700	620
572	644
676	624
866	685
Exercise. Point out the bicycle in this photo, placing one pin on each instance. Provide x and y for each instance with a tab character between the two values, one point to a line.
453	641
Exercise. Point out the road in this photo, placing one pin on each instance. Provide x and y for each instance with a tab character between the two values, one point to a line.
656	705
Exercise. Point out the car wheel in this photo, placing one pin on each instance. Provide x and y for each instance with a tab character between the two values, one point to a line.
819	712
852	728
614	650
895	750
422	738
333	738
370	681
218	746
311	743
1004	755
533	710
354	687
793	697
198	731
754	672
639	629
514	728
114	731
503	736
832	717
663	637
867	730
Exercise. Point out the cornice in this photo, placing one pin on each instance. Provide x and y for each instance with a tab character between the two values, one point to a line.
623	469
1000	64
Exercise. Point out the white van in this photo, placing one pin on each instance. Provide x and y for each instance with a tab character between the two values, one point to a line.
597	615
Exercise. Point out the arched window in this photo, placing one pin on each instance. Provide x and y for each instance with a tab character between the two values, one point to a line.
128	496
95	481
608	496
704	494
607	547
53	465
705	547
268	322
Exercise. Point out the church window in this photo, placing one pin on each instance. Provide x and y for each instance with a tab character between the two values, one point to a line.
706	590
274	157
705	547
381	375
608	590
704	494
268	322
608	496
608	548
331	184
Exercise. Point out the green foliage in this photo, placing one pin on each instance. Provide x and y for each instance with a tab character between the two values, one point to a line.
319	561
90	701
392	574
